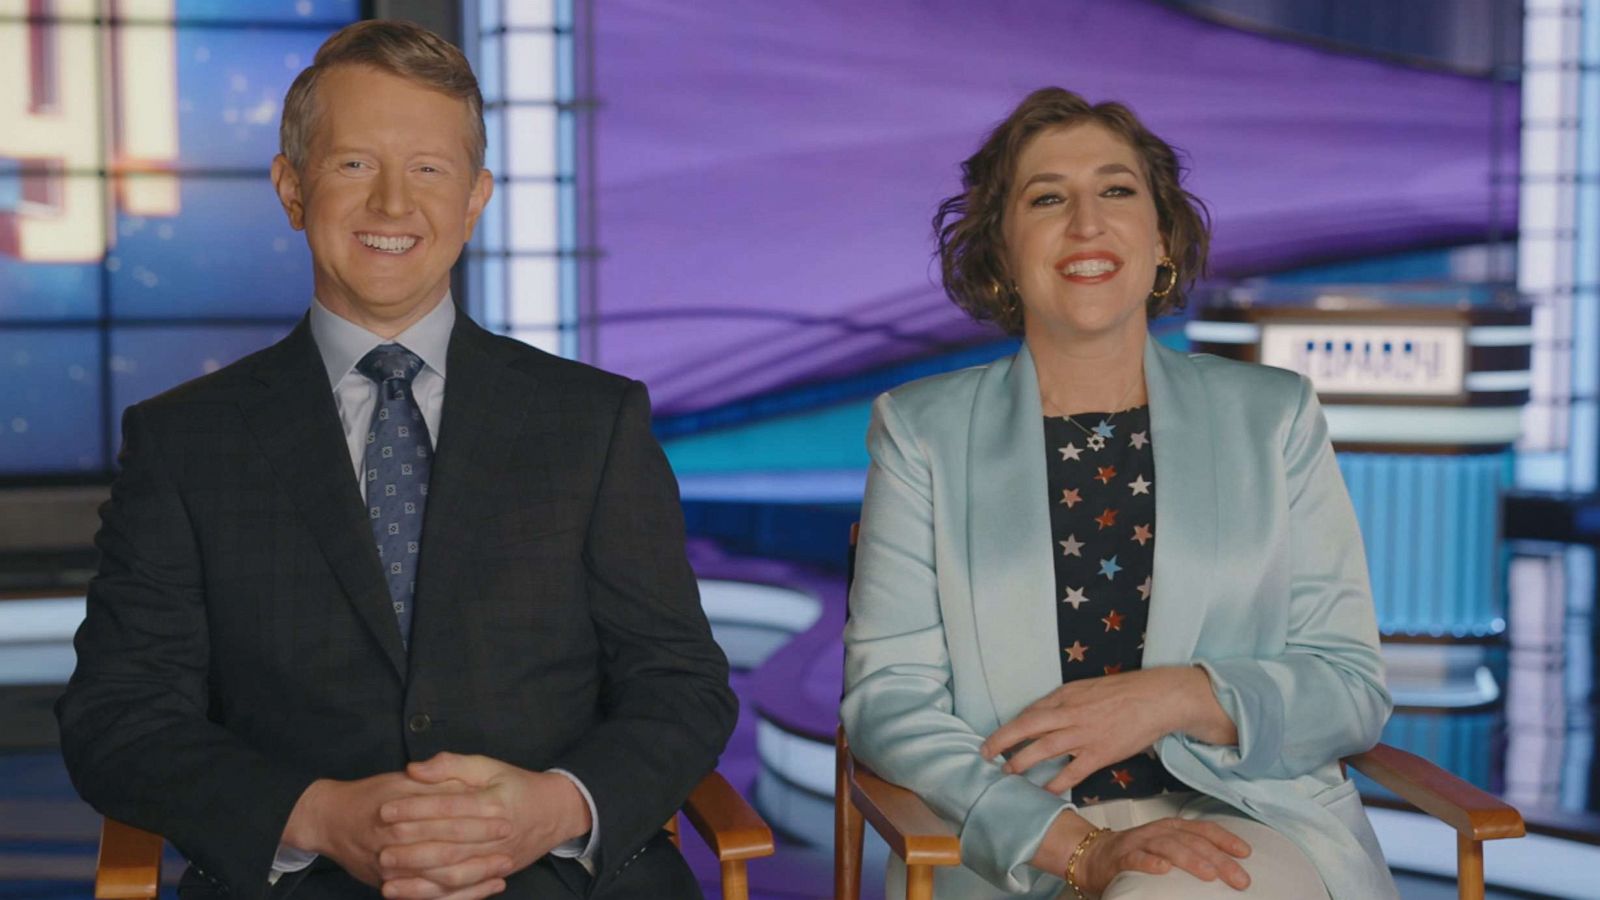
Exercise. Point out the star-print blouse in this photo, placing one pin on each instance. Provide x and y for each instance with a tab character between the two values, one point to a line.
1102	473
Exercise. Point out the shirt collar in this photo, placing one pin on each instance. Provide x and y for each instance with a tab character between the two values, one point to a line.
342	342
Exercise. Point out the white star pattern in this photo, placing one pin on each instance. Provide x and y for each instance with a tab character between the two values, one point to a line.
1124	592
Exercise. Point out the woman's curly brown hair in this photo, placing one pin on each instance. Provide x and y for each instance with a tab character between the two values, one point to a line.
969	225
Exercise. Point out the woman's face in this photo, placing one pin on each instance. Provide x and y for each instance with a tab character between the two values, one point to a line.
1082	236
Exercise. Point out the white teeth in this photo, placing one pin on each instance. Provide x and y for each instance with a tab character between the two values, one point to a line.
387	244
1089	267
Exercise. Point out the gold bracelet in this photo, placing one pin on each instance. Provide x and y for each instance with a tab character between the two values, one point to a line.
1077	854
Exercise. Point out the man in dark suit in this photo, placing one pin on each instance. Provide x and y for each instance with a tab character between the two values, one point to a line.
396	602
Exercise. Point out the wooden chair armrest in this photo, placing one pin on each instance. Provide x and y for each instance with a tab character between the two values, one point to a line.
729	825
129	867
913	831
1474	813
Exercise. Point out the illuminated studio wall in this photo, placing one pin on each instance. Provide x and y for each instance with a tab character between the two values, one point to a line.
141	243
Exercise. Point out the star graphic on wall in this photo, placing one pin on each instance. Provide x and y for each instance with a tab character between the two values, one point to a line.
1141	533
1105	429
1070	451
1109	568
1075	596
1076	651
1122	777
1139	485
1106	474
1071	546
1070	497
1144	589
1107	518
1113	620
1138	440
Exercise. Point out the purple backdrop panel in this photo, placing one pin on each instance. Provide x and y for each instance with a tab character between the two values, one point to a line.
766	172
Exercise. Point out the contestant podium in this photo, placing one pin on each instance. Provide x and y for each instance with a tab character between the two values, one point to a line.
1423	388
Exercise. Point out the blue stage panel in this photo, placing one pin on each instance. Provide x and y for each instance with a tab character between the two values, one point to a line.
148	360
47	371
285	11
228	253
1462	743
1430	524
231	84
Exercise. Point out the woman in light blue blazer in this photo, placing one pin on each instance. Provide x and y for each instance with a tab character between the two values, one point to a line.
1231	614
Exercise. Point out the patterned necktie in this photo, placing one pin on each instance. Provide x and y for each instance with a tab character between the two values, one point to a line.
396	468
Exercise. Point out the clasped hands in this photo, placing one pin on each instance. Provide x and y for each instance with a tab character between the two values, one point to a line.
451	828
1100	721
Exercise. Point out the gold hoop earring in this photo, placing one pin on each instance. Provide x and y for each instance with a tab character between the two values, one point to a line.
1172	267
1007	297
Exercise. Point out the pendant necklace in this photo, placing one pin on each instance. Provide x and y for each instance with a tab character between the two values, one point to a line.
1098	435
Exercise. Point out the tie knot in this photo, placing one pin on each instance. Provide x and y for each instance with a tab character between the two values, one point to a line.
386	362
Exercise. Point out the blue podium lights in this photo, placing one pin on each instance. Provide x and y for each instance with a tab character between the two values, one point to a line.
1431	529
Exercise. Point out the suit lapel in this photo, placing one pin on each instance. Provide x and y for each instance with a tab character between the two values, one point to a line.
1183	440
297	427
1008	538
486	400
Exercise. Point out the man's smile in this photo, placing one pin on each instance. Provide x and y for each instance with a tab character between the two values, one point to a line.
394	245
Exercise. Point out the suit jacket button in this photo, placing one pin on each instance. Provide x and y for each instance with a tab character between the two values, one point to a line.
420	723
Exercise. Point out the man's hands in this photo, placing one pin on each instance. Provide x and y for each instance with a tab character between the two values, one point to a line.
1099	721
451	828
341	820
543	810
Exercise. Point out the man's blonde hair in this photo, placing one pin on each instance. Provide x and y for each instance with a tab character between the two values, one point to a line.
402	49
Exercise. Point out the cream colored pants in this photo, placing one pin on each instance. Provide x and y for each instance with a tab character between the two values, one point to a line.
1277	867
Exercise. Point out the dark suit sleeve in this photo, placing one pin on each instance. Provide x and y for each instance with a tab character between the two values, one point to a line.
667	709
134	726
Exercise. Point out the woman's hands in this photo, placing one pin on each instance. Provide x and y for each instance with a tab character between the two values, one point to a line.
1205	850
1100	721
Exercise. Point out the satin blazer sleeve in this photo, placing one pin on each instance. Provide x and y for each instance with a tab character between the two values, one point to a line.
898	704
1323	697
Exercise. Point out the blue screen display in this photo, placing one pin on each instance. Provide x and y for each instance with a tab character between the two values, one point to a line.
148	360
230	93
50	410
138	295
229	253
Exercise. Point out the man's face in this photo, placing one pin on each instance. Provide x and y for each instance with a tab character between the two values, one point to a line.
388	196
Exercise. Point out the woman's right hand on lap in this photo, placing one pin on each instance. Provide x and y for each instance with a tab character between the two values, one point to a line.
1205	850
